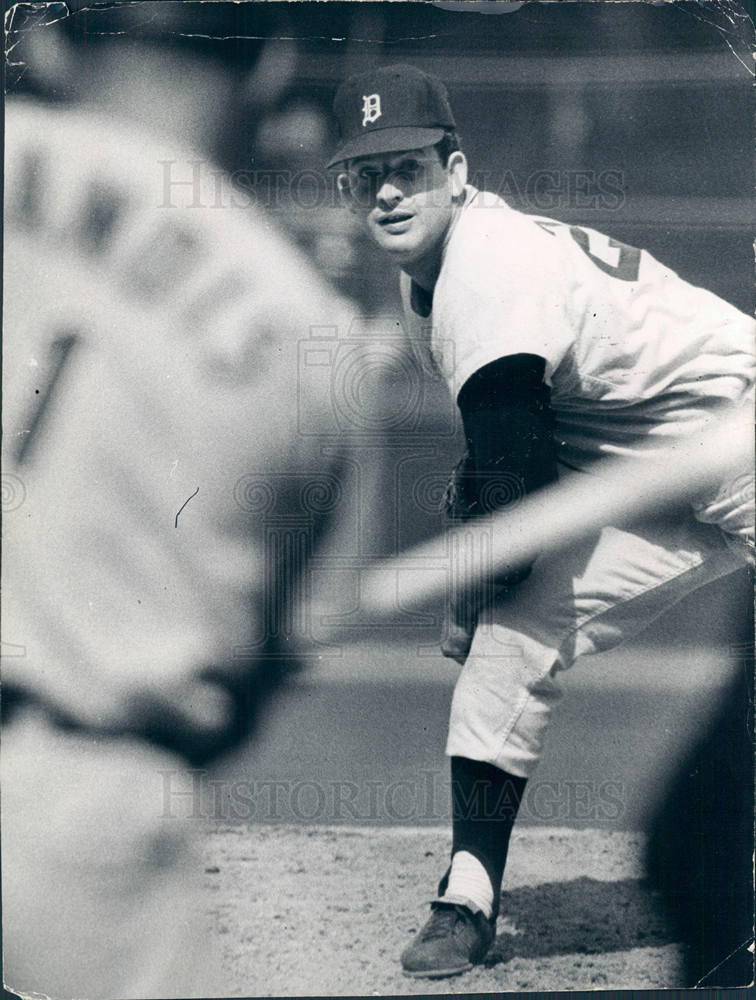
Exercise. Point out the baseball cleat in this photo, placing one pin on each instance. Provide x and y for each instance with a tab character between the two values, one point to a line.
454	939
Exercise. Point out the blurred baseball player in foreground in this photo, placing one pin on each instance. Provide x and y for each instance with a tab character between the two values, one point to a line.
561	346
151	331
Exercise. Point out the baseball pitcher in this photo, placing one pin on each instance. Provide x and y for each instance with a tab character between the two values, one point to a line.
560	346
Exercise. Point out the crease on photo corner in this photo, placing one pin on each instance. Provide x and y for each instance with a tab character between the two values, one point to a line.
32	16
735	13
748	944
12	993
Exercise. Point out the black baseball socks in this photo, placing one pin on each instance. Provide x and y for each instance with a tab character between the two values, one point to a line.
485	801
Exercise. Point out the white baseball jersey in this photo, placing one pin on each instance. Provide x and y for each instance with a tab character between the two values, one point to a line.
153	429
633	352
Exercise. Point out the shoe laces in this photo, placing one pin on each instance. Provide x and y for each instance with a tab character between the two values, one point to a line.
442	922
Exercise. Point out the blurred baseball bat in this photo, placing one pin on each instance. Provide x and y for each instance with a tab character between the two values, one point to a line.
617	491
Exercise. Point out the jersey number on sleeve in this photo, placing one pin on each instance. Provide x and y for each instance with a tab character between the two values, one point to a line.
614	258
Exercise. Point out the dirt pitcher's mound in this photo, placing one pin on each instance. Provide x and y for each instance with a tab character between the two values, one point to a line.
327	911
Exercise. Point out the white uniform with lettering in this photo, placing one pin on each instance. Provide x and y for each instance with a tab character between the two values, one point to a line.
153	321
634	356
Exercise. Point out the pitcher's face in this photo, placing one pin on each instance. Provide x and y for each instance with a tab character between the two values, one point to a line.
406	199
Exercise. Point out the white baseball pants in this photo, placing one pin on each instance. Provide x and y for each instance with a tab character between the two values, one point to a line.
584	600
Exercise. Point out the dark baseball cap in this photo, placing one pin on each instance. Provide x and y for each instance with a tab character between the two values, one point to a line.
390	109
